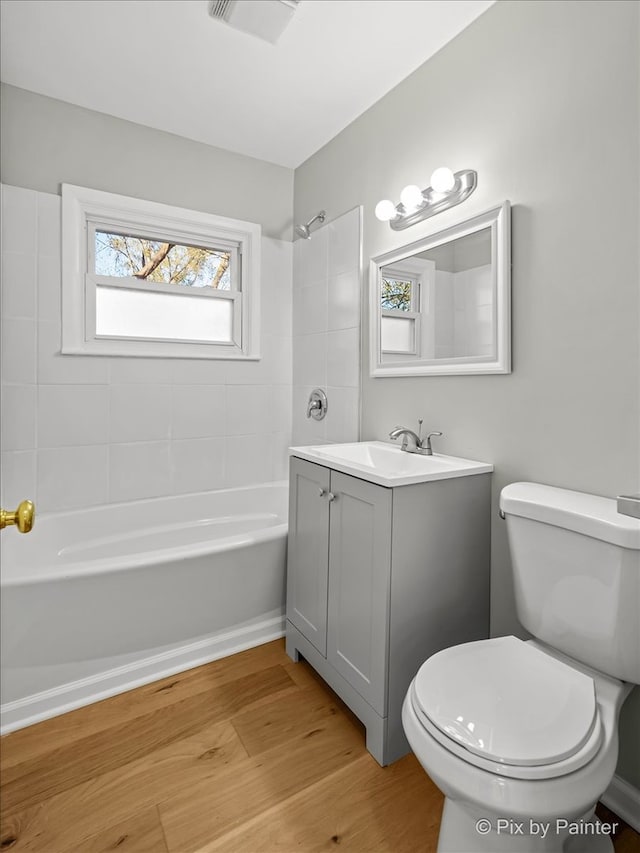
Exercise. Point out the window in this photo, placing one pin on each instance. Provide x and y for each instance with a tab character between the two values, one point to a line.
398	294
400	303
146	279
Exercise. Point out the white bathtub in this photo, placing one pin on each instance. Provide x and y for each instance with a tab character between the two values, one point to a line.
97	601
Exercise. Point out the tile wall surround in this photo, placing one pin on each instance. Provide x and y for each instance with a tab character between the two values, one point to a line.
465	311
81	430
326	329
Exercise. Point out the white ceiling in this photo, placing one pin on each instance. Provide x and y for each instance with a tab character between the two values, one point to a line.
167	64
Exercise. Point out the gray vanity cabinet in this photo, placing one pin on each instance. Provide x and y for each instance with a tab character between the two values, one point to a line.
338	585
308	551
358	597
378	579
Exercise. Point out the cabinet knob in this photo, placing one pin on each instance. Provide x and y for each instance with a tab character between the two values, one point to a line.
332	497
321	492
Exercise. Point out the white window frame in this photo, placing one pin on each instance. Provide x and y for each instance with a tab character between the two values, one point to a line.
84	210
413	270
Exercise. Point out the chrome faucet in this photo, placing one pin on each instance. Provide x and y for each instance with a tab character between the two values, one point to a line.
412	443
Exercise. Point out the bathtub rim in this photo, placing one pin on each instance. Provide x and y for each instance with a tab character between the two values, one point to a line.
157	557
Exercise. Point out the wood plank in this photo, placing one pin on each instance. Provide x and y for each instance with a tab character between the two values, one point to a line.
273	725
29	743
67	819
307	678
197	817
30	782
361	807
302	673
625	839
140	834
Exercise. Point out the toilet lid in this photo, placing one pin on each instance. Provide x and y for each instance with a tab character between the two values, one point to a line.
505	700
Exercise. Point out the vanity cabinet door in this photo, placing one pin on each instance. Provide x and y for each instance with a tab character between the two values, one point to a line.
308	551
359	577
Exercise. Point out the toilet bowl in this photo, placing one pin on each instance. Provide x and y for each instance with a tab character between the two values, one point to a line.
520	736
485	789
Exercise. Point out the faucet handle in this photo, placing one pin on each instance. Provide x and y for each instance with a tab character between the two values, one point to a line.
426	444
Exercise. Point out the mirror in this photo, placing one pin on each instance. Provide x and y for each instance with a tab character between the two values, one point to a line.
441	305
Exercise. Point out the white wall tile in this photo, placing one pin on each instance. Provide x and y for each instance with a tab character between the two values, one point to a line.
72	415
198	411
19	220
279	353
18	478
343	414
49	288
57	369
310	360
310	309
344	301
140	371
279	409
274	368
18	285
249	459
197	464
139	470
275	298
72	477
190	371
18	417
139	412
49	224
19	350
327	274
280	465
310	259
248	408
343	358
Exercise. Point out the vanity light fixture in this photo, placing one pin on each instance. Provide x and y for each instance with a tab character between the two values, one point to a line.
447	189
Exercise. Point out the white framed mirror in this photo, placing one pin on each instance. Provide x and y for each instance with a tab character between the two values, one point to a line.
442	305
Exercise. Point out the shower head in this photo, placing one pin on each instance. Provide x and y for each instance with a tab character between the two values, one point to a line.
304	230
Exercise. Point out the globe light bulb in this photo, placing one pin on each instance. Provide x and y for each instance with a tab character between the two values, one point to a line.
443	180
411	198
386	210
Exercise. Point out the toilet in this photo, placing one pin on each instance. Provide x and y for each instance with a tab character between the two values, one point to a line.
521	736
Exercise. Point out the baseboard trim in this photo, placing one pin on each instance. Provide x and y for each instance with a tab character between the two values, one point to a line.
624	800
50	703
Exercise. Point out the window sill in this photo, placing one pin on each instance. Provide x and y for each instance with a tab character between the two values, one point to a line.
150	349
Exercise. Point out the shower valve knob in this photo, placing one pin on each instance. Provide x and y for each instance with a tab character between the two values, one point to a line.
317	404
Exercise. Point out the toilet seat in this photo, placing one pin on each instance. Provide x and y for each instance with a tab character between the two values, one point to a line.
509	708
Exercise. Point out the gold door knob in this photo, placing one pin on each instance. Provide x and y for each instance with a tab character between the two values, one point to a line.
24	517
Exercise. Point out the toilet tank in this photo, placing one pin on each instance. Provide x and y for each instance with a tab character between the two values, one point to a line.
576	571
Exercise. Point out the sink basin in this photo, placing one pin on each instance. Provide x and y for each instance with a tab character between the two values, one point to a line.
385	464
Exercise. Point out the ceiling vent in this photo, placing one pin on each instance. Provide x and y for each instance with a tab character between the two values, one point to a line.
266	19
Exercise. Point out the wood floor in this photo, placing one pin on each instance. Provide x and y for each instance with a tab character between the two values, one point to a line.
247	754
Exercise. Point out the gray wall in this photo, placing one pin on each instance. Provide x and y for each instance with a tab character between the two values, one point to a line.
46	142
542	100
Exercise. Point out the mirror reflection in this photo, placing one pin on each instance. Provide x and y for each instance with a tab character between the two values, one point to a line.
441	305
